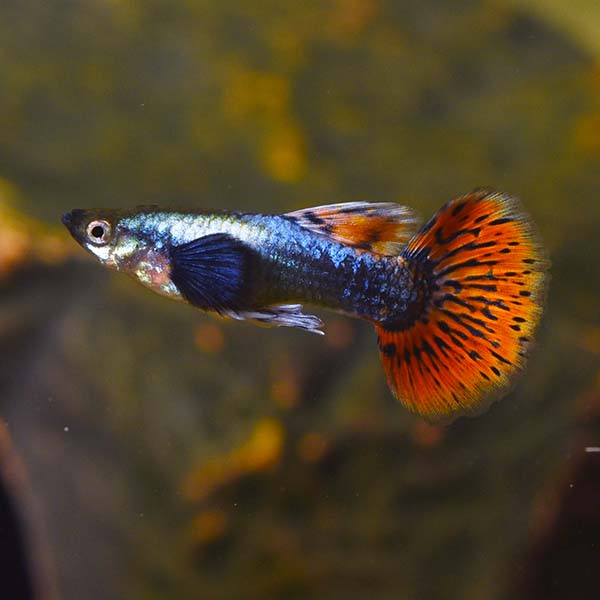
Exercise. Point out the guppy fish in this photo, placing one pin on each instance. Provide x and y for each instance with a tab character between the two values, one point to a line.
454	305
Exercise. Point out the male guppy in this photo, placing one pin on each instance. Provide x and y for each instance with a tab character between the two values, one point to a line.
455	305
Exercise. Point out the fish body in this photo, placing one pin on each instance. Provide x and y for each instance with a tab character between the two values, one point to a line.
447	301
283	262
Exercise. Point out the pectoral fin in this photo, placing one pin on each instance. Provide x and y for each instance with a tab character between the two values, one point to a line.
209	272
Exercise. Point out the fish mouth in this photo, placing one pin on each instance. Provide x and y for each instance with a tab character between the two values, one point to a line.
74	220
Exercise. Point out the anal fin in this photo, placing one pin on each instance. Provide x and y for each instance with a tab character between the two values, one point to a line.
282	315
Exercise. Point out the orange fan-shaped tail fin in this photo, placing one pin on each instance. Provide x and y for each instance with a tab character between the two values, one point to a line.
486	279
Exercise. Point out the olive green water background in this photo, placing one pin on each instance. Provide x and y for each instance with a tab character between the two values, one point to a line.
154	453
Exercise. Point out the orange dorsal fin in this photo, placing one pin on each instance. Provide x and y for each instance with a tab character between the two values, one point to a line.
384	227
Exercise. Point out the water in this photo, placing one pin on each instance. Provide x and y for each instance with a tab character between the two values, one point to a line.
271	463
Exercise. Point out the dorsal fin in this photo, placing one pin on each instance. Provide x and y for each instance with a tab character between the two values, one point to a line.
383	227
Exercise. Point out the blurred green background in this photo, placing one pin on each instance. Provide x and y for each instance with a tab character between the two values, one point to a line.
150	452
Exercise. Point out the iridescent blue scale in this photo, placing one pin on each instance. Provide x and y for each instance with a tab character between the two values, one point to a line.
292	264
302	266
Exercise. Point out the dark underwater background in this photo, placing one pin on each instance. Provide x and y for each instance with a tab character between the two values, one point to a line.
148	451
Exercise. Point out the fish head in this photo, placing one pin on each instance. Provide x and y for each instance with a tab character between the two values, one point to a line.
125	240
101	233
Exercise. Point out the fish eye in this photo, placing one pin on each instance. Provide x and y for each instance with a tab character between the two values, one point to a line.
98	232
